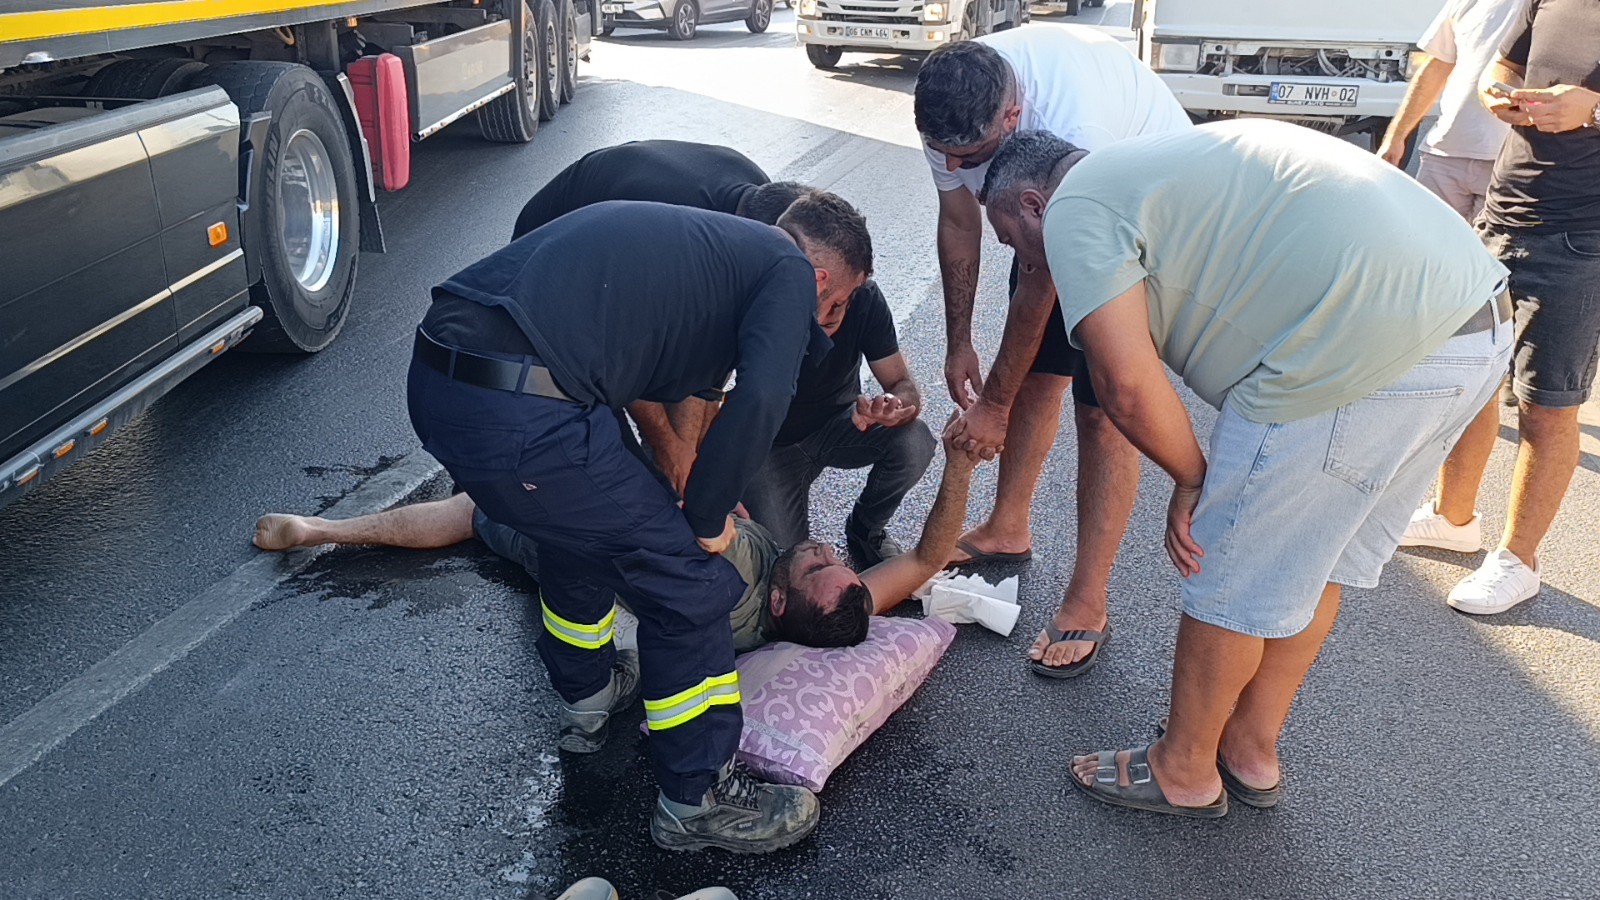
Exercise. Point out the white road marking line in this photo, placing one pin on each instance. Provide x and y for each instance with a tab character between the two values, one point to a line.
27	738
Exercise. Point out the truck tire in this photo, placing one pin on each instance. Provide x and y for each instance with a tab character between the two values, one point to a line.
824	57
142	79
760	16
513	117
569	51
685	20
304	188
550	53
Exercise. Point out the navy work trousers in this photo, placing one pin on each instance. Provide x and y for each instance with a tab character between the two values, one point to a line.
559	473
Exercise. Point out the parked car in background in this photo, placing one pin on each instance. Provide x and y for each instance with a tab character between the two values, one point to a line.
828	28
681	19
1063	7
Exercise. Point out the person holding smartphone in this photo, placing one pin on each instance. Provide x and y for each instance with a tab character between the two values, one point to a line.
1542	220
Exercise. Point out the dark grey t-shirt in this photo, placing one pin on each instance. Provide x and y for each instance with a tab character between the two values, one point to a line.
1551	182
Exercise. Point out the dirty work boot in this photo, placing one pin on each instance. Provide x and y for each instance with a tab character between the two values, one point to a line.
738	814
585	724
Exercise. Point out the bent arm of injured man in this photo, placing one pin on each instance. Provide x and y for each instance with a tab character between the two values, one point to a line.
893	580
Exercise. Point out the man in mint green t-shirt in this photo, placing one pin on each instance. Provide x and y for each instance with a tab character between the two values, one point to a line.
1347	325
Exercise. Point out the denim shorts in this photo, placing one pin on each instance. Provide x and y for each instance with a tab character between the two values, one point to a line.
1555	284
1287	508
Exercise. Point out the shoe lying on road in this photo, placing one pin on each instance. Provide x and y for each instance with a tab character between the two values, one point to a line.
869	551
739	814
1429	529
585	724
590	889
1500	583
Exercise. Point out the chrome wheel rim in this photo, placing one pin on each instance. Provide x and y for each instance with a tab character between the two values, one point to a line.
530	72
308	198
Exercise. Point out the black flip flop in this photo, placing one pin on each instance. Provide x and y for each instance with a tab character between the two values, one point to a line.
1072	669
1244	793
1143	791
977	557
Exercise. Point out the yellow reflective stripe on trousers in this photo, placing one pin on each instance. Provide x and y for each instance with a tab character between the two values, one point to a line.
672	711
587	637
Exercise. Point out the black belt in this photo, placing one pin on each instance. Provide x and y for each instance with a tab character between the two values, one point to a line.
1488	315
486	371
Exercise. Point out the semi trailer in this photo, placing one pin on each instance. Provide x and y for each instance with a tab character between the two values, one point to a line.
180	177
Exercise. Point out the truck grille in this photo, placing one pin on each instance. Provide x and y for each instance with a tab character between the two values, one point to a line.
1301	62
873	12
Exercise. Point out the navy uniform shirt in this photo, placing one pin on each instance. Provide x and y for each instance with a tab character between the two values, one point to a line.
628	301
703	176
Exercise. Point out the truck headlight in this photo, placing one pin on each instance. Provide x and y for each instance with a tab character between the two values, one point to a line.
808	8
934	12
1175	57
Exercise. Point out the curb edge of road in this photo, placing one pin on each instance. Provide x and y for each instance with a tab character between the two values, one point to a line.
30	736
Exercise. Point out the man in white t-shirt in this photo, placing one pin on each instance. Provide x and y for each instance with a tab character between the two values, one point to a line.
1086	88
1458	152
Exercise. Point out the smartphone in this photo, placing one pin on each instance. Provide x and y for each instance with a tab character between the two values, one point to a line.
1503	88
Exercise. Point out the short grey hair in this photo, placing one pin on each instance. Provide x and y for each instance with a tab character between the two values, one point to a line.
1025	160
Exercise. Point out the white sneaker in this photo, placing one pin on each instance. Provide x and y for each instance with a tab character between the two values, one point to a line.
1429	529
1500	583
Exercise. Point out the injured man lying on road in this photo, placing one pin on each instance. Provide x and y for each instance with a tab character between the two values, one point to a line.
803	594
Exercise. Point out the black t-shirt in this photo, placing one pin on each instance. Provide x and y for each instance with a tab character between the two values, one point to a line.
626	301
702	176
1551	182
832	383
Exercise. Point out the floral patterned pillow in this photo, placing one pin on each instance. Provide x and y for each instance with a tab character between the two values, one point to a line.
807	709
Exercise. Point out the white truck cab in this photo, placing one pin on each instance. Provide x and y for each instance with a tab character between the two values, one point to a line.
1339	66
828	28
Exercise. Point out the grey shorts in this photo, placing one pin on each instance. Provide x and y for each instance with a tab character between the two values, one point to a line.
1287	508
1555	285
1456	180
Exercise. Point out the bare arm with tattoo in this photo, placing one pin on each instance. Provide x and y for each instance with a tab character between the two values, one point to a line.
960	241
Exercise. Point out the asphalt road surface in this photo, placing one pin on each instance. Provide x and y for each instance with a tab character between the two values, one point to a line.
186	718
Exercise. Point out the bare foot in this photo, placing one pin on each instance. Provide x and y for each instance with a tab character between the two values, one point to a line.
1073	615
276	531
1204	791
989	539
